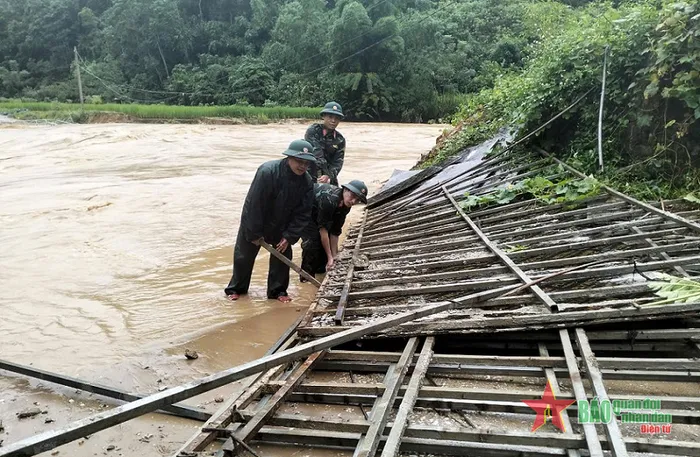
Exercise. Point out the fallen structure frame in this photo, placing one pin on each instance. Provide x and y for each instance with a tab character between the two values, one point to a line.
423	275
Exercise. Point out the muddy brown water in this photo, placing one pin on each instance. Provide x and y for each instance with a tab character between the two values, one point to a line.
116	243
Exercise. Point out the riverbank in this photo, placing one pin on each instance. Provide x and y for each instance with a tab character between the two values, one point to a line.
93	113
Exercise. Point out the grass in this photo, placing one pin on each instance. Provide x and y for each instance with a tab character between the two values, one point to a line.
72	111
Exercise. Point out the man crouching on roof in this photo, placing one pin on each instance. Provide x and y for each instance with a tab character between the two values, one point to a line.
277	209
331	206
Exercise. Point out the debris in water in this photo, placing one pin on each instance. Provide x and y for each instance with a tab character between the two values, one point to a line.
191	355
111	447
219	399
31	412
48	420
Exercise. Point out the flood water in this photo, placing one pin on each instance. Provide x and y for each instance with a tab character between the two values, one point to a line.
116	242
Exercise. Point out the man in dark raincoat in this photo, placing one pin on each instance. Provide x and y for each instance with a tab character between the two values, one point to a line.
277	209
328	143
331	205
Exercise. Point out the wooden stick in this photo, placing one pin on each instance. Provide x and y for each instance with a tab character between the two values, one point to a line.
612	429
393	442
665	214
344	294
368	444
110	392
289	263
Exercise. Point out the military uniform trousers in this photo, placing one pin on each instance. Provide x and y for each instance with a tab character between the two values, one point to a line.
313	256
244	254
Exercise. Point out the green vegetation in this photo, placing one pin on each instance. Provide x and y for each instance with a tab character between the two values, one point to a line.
542	189
675	290
651	134
399	60
72	111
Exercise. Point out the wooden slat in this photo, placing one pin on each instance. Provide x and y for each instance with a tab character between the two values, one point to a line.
340	312
393	442
110	392
612	429
256	422
367	446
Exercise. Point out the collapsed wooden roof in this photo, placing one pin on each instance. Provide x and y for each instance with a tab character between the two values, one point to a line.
443	384
425	247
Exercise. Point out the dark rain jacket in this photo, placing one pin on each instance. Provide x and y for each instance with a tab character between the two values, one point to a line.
278	204
329	149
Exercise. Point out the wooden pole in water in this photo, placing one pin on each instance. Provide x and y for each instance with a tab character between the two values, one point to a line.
289	263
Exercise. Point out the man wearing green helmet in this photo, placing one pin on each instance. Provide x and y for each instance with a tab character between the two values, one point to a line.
328	143
320	240
277	209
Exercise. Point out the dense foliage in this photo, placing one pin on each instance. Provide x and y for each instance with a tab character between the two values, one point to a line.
383	59
651	133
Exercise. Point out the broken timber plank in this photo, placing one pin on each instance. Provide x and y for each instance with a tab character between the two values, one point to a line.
503	256
256	422
110	392
612	429
340	312
367	446
592	440
393	442
665	214
556	391
223	417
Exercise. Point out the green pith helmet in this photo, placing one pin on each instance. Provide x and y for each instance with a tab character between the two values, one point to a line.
358	188
300	149
333	108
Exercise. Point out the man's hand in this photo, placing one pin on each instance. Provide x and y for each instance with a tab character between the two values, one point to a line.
324	179
282	245
330	263
257	242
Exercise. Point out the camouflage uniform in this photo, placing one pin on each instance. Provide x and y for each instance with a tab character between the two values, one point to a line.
329	149
325	214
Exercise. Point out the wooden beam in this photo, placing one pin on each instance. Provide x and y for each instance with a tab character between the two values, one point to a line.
279	256
539	293
353	391
612	429
458	441
110	392
367	446
665	214
256	422
340	312
393	442
554	383
223	417
592	441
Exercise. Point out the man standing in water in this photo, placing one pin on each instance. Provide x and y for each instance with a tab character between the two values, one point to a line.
277	209
331	206
328	145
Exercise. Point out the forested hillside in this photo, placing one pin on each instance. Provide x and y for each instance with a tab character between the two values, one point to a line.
407	60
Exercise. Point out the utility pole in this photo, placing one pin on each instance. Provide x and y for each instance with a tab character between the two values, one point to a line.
600	114
77	70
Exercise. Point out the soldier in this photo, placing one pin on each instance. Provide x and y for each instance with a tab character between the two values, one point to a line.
277	209
328	143
331	206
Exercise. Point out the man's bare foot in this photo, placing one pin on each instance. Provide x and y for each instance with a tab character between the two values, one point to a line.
284	298
233	297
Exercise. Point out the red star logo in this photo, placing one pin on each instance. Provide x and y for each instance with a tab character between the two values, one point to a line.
548	406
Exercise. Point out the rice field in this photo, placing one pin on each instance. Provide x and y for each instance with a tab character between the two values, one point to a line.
73	112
